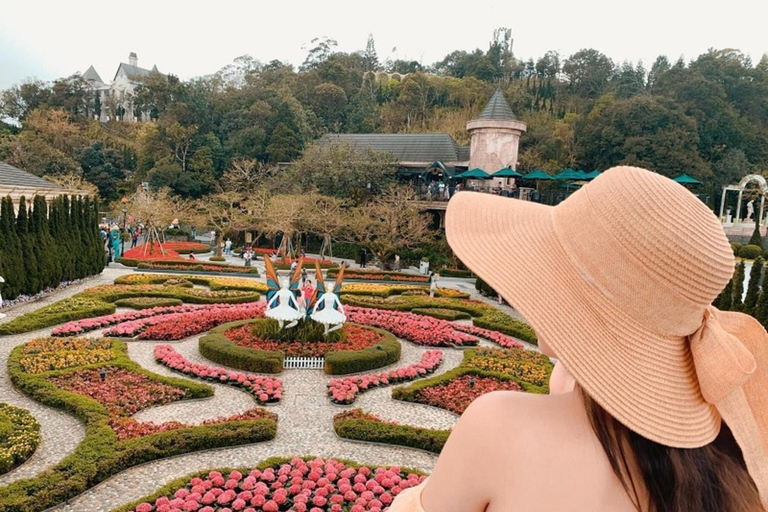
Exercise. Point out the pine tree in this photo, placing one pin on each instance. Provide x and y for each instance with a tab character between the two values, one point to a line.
761	309
753	289
31	277
13	264
738	287
45	249
757	238
725	299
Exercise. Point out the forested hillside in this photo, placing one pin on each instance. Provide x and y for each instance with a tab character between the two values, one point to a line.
707	117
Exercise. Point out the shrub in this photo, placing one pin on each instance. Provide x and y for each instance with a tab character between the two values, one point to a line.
72	308
455	272
750	252
217	258
442	313
753	288
148	302
360	426
19	436
738	287
216	347
386	352
100	455
484	289
736	246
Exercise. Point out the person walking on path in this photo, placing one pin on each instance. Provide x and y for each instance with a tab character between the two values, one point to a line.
433	278
247	257
363	257
228	246
397	262
134	238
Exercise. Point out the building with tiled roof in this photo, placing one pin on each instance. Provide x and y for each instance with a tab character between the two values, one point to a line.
118	94
15	182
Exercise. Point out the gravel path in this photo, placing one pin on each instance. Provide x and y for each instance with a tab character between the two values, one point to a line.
304	427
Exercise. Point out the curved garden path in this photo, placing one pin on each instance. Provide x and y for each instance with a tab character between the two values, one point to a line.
304	426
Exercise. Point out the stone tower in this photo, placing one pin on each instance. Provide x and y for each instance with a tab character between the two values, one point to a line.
495	136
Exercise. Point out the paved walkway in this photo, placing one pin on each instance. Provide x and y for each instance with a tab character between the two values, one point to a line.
304	427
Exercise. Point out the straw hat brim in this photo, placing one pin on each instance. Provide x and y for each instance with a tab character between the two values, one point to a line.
645	380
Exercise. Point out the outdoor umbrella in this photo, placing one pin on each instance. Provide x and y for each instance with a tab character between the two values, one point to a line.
506	172
684	179
567	174
591	175
474	174
538	174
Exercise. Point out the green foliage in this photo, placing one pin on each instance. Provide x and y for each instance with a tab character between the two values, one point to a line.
358	426
147	302
100	455
738	287
442	313
386	352
757	238
753	288
217	347
736	246
306	331
485	289
217	258
750	252
65	310
724	301
455	272
19	436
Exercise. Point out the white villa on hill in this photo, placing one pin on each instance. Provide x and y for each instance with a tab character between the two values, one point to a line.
116	98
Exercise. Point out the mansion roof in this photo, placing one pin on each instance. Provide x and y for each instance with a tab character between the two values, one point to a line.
11	176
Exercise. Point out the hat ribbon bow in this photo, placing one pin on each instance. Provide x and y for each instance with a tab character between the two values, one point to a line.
723	364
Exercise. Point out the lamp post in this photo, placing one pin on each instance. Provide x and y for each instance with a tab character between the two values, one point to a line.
122	238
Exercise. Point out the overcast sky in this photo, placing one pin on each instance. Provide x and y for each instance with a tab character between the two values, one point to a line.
48	40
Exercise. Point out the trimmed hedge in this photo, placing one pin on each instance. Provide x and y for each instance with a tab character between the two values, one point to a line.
219	349
408	393
386	352
736	246
100	455
148	302
442	313
455	272
371	429
213	282
217	258
66	310
750	252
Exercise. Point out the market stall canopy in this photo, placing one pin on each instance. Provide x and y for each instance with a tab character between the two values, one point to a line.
538	174
476	174
684	179
506	172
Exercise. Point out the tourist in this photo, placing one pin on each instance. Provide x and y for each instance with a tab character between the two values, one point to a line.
307	292
213	238
433	278
441	191
397	262
363	257
134	238
294	264
446	193
247	257
303	275
658	398
192	256
228	246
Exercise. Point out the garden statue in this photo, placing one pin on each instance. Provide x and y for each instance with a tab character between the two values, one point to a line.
114	239
750	209
283	302
325	307
2	315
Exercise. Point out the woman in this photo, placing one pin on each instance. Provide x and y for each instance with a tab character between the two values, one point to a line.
660	401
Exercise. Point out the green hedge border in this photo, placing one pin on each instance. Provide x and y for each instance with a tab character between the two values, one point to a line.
39	320
274	462
442	313
100	455
453	272
219	349
134	303
33	427
209	281
408	393
373	431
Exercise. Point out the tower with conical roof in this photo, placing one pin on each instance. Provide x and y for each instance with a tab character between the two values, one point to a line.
495	135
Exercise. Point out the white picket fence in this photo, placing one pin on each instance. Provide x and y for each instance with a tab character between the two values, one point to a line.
303	363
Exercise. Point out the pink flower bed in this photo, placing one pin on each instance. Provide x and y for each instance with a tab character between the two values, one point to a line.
345	390
265	389
422	330
315	486
176	326
458	393
501	339
89	324
129	428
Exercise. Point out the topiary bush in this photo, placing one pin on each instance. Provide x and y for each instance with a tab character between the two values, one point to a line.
750	252
217	258
386	352
360	426
736	246
219	349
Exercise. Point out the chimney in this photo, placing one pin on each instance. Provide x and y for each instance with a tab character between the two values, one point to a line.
133	60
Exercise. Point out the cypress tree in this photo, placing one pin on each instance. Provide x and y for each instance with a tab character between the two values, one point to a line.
98	245
31	271
46	249
13	264
725	299
753	288
757	238
738	287
761	309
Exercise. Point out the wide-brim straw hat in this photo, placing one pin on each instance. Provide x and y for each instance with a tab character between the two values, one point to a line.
618	280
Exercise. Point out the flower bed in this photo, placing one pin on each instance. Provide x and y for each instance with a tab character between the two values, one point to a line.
361	426
524	365
443	314
50	361
72	308
344	391
264	389
122	392
422	330
90	324
176	326
213	282
148	302
379	275
129	428
349	337
195	266
500	339
295	485
19	436
40	345
100	454
458	393
171	250
387	290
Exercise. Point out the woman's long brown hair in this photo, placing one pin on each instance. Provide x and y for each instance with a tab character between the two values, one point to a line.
713	478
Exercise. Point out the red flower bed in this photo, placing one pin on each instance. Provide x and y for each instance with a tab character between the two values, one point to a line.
196	266
298	486
494	336
122	392
353	338
171	249
128	428
457	394
422	330
286	260
265	389
345	390
176	326
89	324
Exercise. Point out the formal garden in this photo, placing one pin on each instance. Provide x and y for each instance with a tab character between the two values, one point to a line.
163	391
